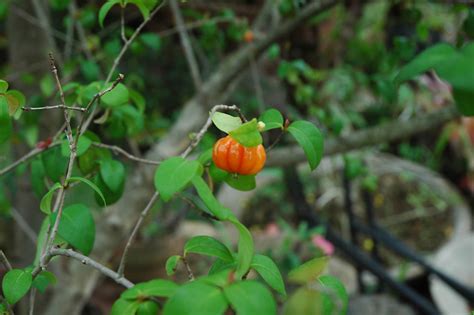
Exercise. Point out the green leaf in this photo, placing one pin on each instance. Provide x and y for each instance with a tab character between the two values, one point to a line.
124	307
15	100
55	163
157	287
335	297
250	298
245	248
241	182
426	60
209	200
205	156
206	300
89	183
145	11
113	174
310	139
152	40
3	308
105	9
209	246
37	178
309	271
304	301
110	196
174	174
44	279
16	284
272	119
171	264
247	134
3	86
269	271
148	308
83	145
138	100
226	122
6	127
118	96
464	102
47	85
220	265
45	204
41	240
76	227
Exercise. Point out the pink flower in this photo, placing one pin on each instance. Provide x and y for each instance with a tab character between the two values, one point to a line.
322	243
272	229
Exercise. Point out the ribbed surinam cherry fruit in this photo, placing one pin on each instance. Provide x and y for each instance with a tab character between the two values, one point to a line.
233	157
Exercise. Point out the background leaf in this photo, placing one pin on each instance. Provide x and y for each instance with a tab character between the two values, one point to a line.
337	298
304	301
309	271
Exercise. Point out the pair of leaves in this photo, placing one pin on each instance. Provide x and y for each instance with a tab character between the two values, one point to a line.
246	134
144	7
246	297
12	98
454	66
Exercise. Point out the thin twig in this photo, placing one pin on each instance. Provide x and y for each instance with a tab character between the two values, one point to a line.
24	225
84	123
61	106
119	150
143	214
26	158
122	24
188	269
131	39
4	261
208	123
92	263
186	44
32	301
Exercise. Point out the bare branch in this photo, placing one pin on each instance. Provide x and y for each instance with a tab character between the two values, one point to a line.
206	126
92	263
119	150
188	269
383	133
32	301
143	214
61	106
4	261
186	44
